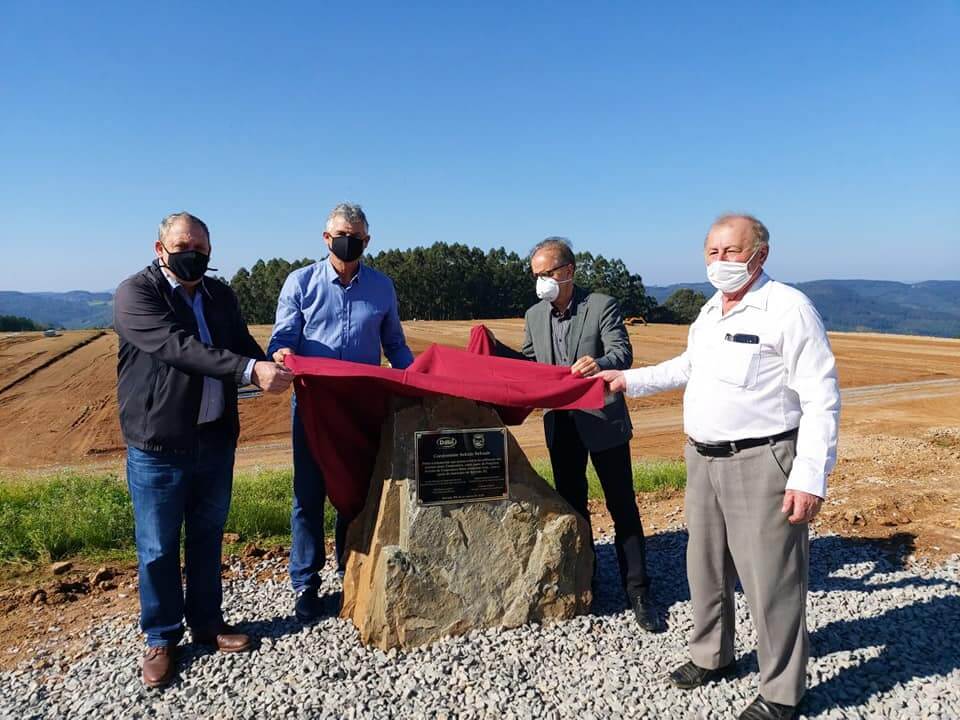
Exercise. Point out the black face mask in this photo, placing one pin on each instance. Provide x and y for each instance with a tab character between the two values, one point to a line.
348	247
189	265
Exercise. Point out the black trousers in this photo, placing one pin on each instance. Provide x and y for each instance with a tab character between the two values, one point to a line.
568	456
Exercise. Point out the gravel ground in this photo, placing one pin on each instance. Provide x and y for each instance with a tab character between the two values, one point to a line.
884	645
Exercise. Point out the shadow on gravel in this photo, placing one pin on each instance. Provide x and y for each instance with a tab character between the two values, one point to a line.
830	554
666	559
275	628
915	641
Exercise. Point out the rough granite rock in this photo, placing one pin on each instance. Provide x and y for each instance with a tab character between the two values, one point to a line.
417	574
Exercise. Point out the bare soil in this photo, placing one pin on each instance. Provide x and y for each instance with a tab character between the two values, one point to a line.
897	478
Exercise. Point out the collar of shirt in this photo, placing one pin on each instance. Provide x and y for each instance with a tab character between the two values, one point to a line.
330	273
562	314
756	296
575	298
174	283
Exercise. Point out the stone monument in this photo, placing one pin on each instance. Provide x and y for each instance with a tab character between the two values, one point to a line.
459	532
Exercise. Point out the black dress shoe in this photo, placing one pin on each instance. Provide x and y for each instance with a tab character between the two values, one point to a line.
761	709
690	675
646	614
309	607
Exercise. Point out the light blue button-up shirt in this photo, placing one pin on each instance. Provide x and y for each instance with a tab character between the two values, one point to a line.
317	316
211	401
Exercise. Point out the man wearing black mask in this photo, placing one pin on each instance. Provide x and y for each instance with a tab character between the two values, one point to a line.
336	308
184	349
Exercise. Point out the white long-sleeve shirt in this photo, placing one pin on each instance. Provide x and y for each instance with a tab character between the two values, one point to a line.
741	390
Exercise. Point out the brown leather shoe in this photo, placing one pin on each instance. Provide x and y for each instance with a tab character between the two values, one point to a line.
158	666
225	639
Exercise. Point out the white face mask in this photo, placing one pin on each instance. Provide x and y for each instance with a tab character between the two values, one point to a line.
727	276
549	289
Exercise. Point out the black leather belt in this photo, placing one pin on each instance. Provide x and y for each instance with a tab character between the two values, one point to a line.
726	449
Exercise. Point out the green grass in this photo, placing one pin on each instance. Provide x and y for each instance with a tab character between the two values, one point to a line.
50	518
74	514
649	476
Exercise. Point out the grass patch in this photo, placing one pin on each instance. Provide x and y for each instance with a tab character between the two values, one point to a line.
260	507
648	476
50	518
71	514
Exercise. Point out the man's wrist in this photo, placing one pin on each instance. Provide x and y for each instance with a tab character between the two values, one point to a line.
248	372
802	482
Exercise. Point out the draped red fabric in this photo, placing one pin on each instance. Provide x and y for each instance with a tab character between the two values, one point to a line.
343	404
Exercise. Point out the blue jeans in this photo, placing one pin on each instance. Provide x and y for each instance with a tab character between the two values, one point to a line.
169	492
307	551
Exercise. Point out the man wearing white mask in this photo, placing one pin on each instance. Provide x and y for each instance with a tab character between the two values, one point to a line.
584	330
761	410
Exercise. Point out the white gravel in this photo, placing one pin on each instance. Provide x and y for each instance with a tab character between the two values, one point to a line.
884	645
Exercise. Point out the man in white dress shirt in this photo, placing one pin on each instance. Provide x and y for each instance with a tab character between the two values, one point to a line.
760	409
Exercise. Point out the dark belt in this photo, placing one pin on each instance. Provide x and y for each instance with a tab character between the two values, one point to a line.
726	449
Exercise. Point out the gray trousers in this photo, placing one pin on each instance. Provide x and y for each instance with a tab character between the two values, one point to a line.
737	529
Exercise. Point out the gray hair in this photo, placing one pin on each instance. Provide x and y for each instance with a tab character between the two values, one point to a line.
559	245
351	212
170	219
758	231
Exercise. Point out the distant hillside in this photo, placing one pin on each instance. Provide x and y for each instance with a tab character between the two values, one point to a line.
926	308
71	310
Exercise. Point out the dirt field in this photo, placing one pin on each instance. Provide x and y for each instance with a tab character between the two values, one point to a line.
897	479
899	467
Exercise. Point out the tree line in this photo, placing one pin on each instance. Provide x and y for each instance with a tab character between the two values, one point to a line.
451	281
15	323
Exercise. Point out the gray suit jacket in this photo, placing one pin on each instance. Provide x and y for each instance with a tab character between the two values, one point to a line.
596	330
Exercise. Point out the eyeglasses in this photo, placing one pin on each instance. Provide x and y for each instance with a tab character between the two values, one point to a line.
361	237
551	271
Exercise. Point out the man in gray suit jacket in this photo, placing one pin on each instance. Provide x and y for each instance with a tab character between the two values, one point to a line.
584	330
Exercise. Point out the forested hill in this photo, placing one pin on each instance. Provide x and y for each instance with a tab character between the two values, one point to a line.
75	309
454	282
925	308
451	282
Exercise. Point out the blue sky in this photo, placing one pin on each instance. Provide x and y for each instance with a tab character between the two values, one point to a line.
625	126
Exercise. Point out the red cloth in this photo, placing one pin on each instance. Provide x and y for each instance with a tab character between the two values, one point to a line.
343	404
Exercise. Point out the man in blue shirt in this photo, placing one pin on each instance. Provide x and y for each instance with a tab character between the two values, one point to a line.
336	308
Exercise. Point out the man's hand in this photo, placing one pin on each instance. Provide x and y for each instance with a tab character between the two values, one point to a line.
614	379
585	367
279	355
271	377
801	507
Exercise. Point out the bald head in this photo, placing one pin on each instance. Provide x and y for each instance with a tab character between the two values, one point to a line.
754	233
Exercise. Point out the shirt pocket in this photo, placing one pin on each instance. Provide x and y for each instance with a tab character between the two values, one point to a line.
737	364
366	311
